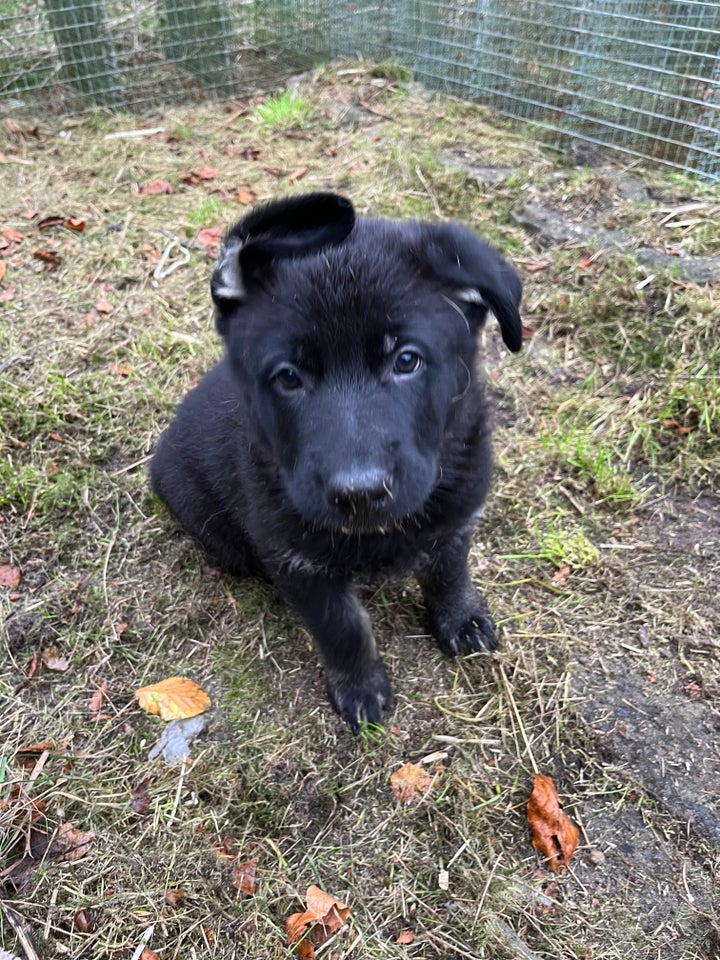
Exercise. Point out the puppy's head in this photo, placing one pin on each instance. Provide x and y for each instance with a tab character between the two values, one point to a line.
354	344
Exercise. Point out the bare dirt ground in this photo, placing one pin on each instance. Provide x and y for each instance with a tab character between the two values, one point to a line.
599	555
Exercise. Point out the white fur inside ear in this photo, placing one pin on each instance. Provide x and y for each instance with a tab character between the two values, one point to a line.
228	282
471	295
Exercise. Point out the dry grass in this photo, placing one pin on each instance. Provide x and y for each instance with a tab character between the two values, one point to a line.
608	433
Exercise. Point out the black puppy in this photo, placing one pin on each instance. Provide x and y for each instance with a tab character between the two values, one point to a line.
345	433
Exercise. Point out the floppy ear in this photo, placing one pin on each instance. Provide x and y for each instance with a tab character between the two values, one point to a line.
478	275
282	229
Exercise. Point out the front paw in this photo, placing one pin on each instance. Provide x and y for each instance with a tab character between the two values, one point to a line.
361	699
473	633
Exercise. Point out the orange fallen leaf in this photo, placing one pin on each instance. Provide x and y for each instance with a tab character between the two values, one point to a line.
407	936
72	224
243	877
410	783
176	698
121	369
3	269
324	915
149	954
244	196
14	236
9	576
297	174
554	835
73	844
535	267
104	306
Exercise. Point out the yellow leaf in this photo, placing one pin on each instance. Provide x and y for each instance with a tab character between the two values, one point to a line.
176	698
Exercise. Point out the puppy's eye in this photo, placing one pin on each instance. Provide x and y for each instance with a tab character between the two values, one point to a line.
287	379
407	362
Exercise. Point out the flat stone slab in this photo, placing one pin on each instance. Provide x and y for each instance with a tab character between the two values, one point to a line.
553	229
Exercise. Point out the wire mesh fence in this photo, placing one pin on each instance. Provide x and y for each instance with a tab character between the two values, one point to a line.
640	76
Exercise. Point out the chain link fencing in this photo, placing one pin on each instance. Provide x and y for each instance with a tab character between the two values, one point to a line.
639	76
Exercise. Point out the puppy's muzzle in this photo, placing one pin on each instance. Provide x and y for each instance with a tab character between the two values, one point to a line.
358	493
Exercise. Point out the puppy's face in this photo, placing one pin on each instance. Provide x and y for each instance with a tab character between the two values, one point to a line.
353	363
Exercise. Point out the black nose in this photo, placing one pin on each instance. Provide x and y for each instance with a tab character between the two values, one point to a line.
356	491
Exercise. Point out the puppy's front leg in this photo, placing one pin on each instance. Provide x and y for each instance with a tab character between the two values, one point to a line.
460	618
357	684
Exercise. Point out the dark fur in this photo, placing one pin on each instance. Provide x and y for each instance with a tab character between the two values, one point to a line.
316	451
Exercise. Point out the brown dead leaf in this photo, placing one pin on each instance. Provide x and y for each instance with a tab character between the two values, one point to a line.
7	295
561	576
73	844
121	369
176	698
38	747
84	921
206	173
141	800
679	429
305	950
227	850
10	576
149	954
155	188
554	835
78	226
536	267
407	936
323	916
48	222
173	898
53	661
51	259
14	236
210	238
243	877
96	700
410	783
3	269
104	306
297	174
273	171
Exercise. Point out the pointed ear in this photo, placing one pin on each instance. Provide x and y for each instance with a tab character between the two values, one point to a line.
478	276
282	229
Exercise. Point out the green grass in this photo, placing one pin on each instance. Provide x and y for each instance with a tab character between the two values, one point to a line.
284	111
